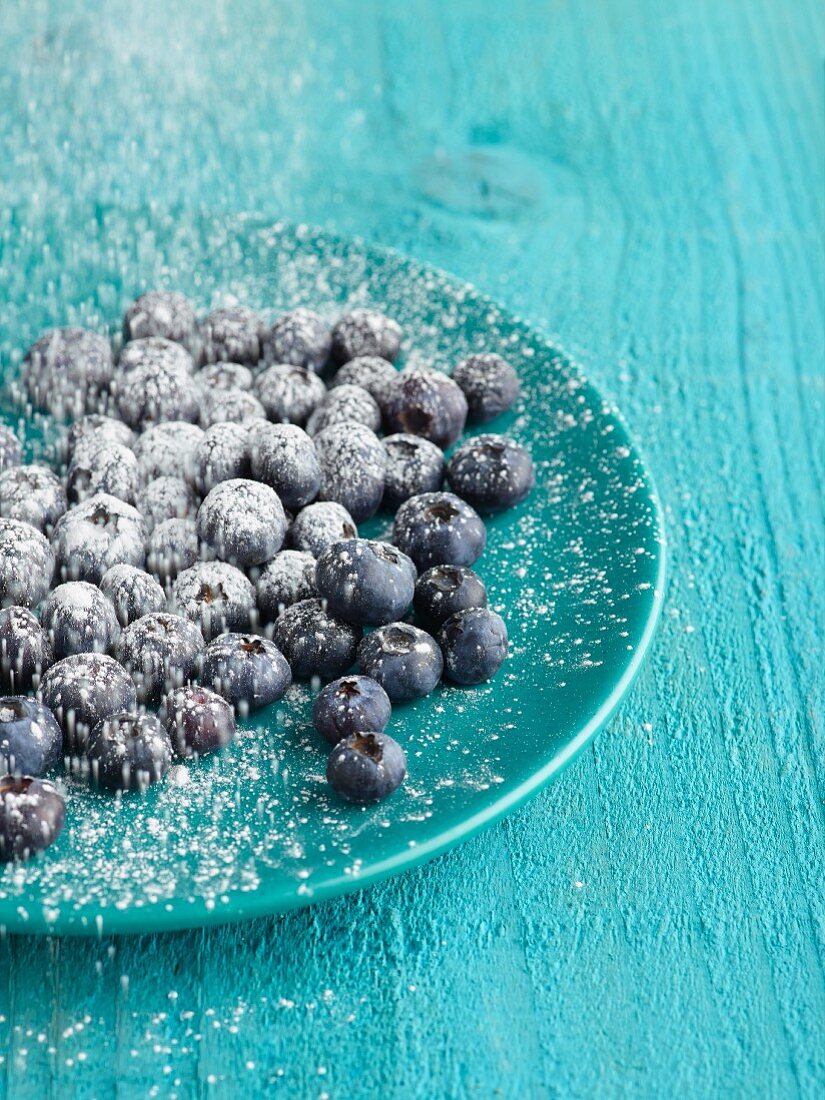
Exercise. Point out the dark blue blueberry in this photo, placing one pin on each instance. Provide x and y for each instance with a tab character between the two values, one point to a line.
161	652
80	619
321	525
133	593
30	739
68	371
314	641
97	534
491	473
197	720
165	498
353	463
285	580
404	660
230	407
365	581
366	767
427	403
350	705
300	338
25	650
242	522
225	376
83	689
445	589
26	564
166	450
439	529
283	457
153	392
172	547
232	334
342	404
128	752
32	494
414	466
221	455
289	394
11	449
248	671
32	812
109	468
162	313
474	644
370	372
490	385
216	596
89	432
365	332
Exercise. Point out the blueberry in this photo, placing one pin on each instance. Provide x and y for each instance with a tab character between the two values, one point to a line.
289	394
172	547
474	644
321	525
68	371
370	372
97	534
225	376
232	334
164	498
216	596
26	564
366	767
427	403
222	455
83	689
242	522
80	619
353	463
248	671
30	739
283	457
166	450
414	465
128	752
32	494
439	529
343	404
86	435
151	393
32	812
161	652
108	468
197	720
445	589
153	353
230	407
133	593
365	581
314	641
490	385
365	332
300	338
162	313
491	473
25	650
285	580
351	704
11	449
404	660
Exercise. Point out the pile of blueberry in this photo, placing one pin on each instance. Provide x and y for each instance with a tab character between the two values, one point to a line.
194	546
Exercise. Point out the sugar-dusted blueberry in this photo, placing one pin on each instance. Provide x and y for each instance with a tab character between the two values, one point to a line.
225	376
30	739
222	455
427	403
153	353
353	463
128	752
439	529
160	651
32	813
216	596
365	581
232	334
230	407
32	494
490	385
172	547
81	690
289	394
247	670
370	372
321	525
366	767
474	644
300	338
97	534
151	393
405	660
445	589
109	468
133	593
351	704
344	404
414	465
242	522
314	641
25	650
79	619
164	498
198	721
68	371
365	332
166	450
491	472
86	435
26	564
285	580
283	457
11	449
162	313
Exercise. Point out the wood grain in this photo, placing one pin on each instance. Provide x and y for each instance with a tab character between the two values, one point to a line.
646	182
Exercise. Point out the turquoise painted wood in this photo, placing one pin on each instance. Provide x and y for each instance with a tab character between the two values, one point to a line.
645	181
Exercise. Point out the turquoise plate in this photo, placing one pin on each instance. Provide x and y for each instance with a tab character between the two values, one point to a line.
577	571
